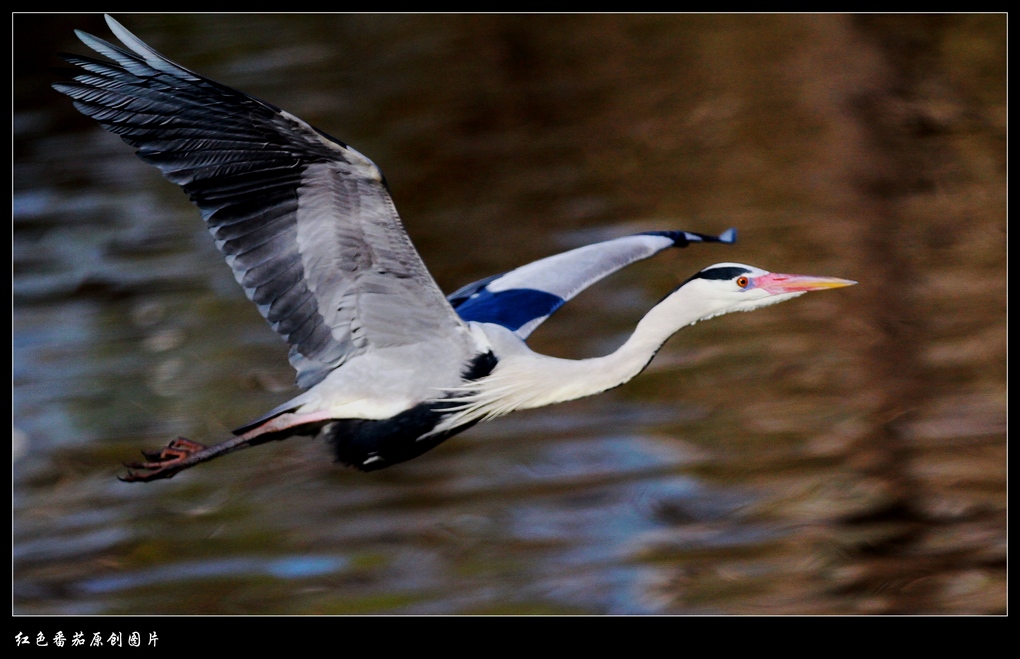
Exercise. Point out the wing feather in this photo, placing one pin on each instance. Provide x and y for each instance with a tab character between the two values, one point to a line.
524	298
305	221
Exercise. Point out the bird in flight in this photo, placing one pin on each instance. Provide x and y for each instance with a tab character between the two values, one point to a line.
390	367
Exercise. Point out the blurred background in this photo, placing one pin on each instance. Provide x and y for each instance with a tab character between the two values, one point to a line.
843	453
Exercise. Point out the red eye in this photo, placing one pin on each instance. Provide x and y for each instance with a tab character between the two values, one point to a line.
742	282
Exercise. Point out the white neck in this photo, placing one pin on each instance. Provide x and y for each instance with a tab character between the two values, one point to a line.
524	379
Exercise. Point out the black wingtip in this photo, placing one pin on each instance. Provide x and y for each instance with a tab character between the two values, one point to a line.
685	238
729	236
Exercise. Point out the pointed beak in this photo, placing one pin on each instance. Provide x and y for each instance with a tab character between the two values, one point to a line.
777	283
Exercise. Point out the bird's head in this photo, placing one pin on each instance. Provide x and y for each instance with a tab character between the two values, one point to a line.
727	287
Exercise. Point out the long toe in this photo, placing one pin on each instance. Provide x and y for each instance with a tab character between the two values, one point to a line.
163	463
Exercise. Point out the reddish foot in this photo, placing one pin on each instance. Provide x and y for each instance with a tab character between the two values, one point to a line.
183	453
165	463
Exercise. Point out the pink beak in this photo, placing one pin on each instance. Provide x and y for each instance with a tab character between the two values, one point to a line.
776	283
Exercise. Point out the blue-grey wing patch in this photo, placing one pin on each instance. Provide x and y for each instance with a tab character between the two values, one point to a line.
522	299
305	221
513	308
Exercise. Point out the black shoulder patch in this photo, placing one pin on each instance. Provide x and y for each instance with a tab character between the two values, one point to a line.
480	366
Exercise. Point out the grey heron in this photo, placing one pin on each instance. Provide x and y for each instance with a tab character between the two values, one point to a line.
390	367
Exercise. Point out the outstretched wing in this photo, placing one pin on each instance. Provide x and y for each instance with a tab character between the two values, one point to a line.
305	221
522	299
